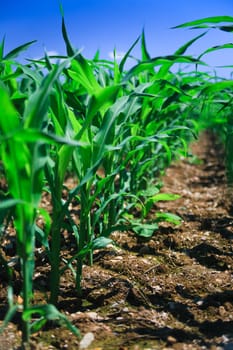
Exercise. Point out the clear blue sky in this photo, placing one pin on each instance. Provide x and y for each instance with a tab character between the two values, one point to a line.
109	24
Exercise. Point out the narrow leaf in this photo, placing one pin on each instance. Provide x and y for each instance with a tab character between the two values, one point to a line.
9	119
101	242
216	48
145	54
165	197
14	53
122	63
2	44
169	217
158	61
38	102
228	29
219	86
216	19
69	48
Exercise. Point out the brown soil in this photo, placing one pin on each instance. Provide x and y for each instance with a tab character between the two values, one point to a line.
173	291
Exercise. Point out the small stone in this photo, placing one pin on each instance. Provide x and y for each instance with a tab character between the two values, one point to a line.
93	315
228	306
178	346
171	339
125	309
86	340
222	311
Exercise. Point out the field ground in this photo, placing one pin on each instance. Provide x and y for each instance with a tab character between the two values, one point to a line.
174	291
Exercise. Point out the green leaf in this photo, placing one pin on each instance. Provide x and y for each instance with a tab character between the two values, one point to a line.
82	73
124	59
9	315
157	198
216	48
206	20
158	61
169	217
9	203
37	325
216	87
184	47
102	100
38	102
50	313
101	242
150	191
42	237
69	48
145	53
228	29
9	119
165	68
144	230
2	44
33	136
164	197
14	53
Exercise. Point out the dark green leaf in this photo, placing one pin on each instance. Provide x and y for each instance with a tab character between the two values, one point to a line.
14	53
122	63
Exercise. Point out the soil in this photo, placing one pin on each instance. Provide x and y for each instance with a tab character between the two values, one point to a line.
173	291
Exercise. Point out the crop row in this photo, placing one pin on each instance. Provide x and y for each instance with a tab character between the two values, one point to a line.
114	131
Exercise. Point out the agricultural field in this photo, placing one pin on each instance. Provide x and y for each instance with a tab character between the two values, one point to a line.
116	204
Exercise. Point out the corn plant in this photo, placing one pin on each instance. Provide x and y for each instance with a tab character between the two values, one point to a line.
217	94
108	120
24	155
116	130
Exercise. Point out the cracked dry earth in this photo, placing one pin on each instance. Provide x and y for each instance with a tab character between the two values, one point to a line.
174	291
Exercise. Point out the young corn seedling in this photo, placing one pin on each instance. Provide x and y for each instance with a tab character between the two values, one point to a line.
24	155
87	160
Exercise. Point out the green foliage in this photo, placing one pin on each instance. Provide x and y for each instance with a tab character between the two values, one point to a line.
115	131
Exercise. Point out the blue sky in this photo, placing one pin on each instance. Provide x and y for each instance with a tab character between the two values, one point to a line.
109	24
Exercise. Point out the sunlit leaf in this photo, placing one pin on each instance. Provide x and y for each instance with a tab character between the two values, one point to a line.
206	20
